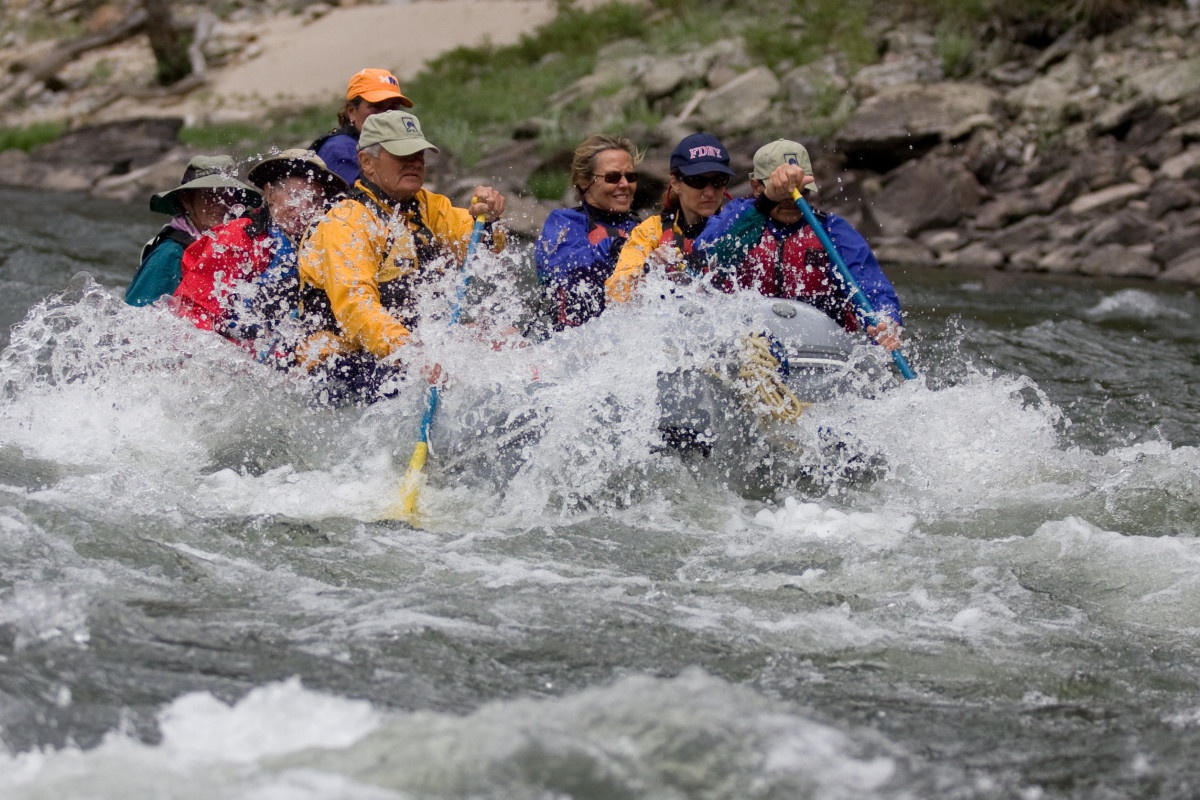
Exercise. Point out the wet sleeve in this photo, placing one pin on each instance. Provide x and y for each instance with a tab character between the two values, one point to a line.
631	264
158	275
865	268
342	256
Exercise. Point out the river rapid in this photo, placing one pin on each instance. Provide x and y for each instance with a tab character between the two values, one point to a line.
203	593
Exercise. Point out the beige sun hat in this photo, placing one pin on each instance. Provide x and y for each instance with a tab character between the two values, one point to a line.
205	172
299	163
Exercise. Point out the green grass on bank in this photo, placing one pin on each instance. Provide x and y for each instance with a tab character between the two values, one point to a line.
244	139
31	136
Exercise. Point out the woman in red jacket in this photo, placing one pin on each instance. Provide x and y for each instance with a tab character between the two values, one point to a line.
236	277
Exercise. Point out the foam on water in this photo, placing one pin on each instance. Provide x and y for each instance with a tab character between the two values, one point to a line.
207	749
1135	304
142	413
690	736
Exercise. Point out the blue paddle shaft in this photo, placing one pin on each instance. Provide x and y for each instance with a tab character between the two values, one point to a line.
455	312
476	235
857	296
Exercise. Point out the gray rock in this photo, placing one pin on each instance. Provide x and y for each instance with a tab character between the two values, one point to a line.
117	146
741	104
1027	259
1118	261
901	251
903	121
1060	260
17	168
1184	165
1052	194
1050	96
897	71
137	185
1004	210
1106	199
1170	195
1185	269
944	240
1169	82
976	255
1173	244
665	78
1126	229
809	86
926	194
1119	116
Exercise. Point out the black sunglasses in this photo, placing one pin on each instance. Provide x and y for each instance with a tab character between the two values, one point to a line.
720	181
615	177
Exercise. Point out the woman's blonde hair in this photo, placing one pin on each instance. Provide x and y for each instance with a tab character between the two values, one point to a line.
583	163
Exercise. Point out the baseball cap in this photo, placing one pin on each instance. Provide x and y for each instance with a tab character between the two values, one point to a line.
298	163
205	172
398	131
781	151
700	153
375	86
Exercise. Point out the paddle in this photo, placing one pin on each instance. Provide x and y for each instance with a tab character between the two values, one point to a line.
411	486
856	293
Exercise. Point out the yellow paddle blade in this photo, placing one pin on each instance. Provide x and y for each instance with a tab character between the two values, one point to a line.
412	481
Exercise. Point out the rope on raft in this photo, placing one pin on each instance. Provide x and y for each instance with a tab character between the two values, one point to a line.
763	388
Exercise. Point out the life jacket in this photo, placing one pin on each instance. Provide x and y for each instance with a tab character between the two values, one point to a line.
794	265
168	233
692	261
579	302
396	295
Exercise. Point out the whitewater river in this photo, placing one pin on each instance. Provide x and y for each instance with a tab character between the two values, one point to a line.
202	594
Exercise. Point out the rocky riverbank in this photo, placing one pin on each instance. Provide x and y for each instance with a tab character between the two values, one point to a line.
1077	154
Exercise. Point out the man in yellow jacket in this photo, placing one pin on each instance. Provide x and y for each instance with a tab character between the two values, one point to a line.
361	265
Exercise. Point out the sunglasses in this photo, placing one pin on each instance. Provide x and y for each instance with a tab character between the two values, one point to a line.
701	181
615	177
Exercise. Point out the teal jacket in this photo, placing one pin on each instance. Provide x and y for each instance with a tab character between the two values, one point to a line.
160	271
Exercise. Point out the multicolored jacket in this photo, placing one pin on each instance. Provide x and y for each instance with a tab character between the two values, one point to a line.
750	250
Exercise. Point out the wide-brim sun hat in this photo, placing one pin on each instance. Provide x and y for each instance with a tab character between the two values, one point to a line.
297	163
398	132
205	172
771	156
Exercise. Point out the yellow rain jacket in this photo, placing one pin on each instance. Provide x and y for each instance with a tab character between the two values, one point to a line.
359	264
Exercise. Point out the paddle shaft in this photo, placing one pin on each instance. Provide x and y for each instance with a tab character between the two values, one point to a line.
411	486
857	295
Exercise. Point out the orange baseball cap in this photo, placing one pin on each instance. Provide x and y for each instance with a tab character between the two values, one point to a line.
375	86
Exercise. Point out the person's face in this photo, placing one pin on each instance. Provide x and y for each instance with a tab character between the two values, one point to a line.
294	203
207	208
400	177
357	110
607	196
785	213
700	202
